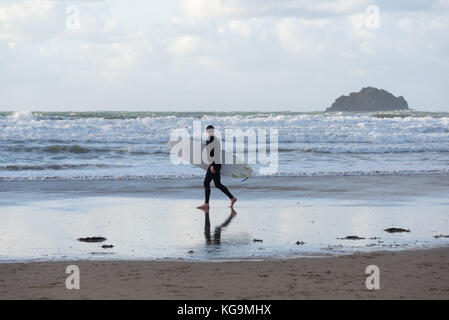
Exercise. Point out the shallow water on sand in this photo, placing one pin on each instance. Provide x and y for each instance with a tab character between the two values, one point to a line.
157	228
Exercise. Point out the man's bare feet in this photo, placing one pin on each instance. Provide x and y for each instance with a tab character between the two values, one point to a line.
203	206
233	200
205	210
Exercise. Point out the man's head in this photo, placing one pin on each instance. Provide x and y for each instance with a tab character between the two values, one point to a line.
210	130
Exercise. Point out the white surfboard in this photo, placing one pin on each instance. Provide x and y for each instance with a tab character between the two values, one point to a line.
236	168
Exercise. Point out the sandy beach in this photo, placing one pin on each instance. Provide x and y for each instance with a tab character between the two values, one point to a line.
284	241
422	274
164	248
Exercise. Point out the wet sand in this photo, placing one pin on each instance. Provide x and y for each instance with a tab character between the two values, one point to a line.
164	248
422	274
156	229
381	188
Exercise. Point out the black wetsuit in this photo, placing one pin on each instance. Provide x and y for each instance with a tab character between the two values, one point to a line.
214	176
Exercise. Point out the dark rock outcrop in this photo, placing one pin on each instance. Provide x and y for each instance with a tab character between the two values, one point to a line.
92	239
351	238
396	230
369	99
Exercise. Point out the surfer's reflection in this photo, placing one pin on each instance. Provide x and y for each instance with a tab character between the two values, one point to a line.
217	232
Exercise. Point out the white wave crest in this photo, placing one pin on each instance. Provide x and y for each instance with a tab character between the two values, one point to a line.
22	116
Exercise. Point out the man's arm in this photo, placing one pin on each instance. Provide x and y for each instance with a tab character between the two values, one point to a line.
211	154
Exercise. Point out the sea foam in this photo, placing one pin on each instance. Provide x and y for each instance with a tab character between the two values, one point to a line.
106	144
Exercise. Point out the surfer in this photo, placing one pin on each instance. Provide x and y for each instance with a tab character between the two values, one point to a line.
213	172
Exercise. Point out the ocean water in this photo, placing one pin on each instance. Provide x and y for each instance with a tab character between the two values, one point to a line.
133	145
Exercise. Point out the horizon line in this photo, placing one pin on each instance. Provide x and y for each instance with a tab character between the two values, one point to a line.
213	111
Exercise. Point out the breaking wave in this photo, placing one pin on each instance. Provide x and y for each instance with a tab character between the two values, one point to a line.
38	145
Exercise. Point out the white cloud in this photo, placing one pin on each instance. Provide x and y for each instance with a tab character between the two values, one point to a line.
254	8
245	28
26	9
337	6
210	8
26	20
184	45
240	27
244	46
302	35
441	4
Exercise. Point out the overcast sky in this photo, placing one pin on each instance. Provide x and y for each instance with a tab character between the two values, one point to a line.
296	55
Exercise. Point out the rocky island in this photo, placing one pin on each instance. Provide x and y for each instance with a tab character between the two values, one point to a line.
369	99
